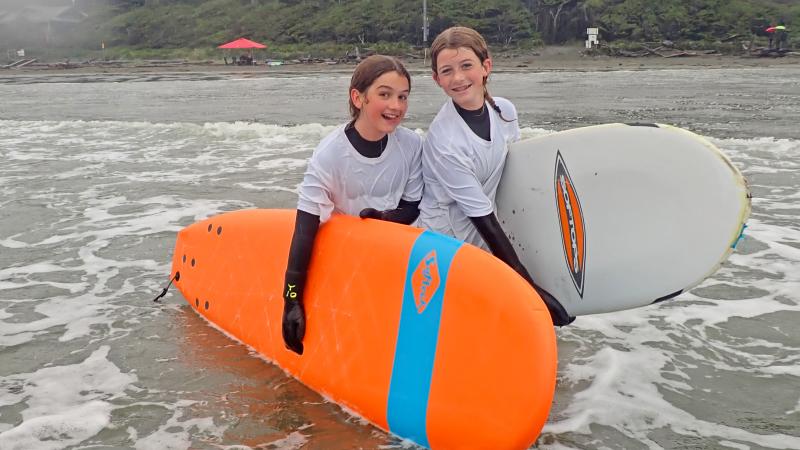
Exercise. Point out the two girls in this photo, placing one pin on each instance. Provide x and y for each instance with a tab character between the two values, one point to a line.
375	168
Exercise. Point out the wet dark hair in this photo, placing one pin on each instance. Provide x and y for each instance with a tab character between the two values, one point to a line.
454	38
369	70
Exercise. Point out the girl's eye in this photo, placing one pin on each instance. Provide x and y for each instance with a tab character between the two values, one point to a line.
403	97
466	66
444	72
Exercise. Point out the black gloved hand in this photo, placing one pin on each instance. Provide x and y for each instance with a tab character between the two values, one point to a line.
501	247
405	213
294	316
371	213
558	314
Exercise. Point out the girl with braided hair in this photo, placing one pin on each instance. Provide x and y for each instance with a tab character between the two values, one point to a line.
465	151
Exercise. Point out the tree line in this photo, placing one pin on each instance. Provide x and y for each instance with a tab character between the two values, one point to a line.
163	24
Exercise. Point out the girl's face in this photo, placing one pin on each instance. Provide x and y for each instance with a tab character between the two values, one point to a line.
461	74
382	107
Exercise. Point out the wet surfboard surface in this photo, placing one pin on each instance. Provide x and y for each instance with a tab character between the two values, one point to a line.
616	216
431	339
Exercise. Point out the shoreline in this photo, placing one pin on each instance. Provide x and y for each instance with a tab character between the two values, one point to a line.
550	59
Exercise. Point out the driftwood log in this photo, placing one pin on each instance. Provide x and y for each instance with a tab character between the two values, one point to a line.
664	52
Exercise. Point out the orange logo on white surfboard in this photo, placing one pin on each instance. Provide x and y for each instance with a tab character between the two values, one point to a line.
570	219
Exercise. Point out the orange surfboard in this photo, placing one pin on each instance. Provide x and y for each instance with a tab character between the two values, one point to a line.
428	338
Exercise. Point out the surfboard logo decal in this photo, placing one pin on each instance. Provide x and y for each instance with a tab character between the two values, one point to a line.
570	219
425	281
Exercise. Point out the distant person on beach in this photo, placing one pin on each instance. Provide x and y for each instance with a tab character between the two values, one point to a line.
465	152
781	36
770	35
369	166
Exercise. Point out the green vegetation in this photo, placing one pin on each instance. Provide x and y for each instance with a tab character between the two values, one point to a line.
320	28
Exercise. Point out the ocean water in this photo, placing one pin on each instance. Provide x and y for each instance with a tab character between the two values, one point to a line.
98	173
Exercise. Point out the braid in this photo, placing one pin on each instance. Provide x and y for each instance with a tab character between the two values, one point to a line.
491	102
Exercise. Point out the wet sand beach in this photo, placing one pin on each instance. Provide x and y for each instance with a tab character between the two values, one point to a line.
552	58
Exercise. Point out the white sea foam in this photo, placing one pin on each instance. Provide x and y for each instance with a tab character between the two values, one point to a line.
629	374
65	404
529	132
294	441
179	431
88	304
90	210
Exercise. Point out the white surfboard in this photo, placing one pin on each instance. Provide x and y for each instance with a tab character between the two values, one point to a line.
617	216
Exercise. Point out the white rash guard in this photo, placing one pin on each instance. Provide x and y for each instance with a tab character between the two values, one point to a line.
339	180
461	171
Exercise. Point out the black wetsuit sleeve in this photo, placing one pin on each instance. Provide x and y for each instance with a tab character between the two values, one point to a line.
492	233
293	322
306	226
406	213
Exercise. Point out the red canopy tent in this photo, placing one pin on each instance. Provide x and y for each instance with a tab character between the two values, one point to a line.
242	44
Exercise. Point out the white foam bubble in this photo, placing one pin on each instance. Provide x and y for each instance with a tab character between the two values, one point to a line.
294	441
795	410
65	404
532	132
179	431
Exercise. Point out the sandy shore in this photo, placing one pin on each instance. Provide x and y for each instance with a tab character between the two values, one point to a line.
554	58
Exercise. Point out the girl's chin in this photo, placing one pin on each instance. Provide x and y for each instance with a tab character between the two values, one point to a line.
381	128
467	100
390	126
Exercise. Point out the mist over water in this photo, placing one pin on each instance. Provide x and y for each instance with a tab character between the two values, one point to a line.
98	173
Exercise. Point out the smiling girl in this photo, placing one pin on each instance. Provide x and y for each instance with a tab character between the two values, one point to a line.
369	167
465	152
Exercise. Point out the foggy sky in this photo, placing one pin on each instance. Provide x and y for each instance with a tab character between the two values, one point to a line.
26	23
33	11
16	5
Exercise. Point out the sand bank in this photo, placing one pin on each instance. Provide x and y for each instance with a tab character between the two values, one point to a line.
553	58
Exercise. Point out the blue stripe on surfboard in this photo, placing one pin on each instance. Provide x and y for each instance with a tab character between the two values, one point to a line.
416	342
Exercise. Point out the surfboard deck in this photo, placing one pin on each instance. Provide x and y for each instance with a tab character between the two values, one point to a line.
617	216
426	337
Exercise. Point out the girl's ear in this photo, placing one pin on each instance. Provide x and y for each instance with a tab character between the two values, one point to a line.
436	78
356	98
487	65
